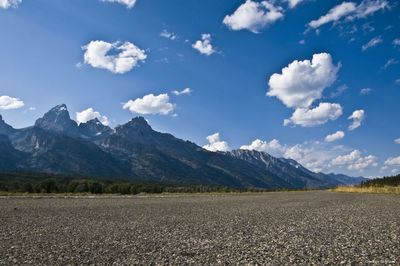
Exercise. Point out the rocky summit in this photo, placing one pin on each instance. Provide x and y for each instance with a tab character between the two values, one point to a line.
57	144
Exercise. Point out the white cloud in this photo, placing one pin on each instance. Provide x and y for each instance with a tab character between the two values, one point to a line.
254	16
185	91
128	56
128	3
394	171
9	3
150	104
393	161
334	14
32	108
365	91
372	43
349	11
273	147
215	143
336	136
204	45
396	42
7	103
293	3
346	159
390	62
319	115
397	141
90	114
358	116
354	161
398	81
168	35
302	82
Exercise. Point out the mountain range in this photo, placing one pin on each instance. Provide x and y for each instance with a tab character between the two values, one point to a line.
57	144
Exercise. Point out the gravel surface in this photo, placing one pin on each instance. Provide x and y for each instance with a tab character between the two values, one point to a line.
271	228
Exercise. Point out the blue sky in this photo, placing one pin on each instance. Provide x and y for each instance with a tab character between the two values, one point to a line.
248	66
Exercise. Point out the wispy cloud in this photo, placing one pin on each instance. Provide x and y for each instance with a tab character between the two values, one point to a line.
372	43
390	62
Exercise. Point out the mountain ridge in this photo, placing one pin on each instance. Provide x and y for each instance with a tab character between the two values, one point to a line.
57	144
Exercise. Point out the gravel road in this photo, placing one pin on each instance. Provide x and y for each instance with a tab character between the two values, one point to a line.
270	228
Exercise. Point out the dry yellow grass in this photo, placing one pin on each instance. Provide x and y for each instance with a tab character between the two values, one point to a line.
379	190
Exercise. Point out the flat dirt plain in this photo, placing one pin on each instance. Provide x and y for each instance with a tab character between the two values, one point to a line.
269	228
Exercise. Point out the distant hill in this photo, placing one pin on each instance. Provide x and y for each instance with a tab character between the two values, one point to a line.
57	144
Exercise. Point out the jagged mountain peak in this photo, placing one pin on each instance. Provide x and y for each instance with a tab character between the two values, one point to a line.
59	120
136	126
138	121
94	128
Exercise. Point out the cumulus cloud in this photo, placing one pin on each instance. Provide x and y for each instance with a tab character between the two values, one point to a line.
372	43
254	16
393	161
397	141
215	143
273	147
358	116
185	91
128	3
394	171
90	114
390	62
9	3
354	161
365	91
302	82
7	103
335	136
151	104
396	42
98	54
204	45
349	11
168	35
319	115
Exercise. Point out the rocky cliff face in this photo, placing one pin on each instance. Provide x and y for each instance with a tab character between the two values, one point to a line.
293	172
58	120
4	128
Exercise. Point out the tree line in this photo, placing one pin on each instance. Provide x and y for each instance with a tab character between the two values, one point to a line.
43	183
392	181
